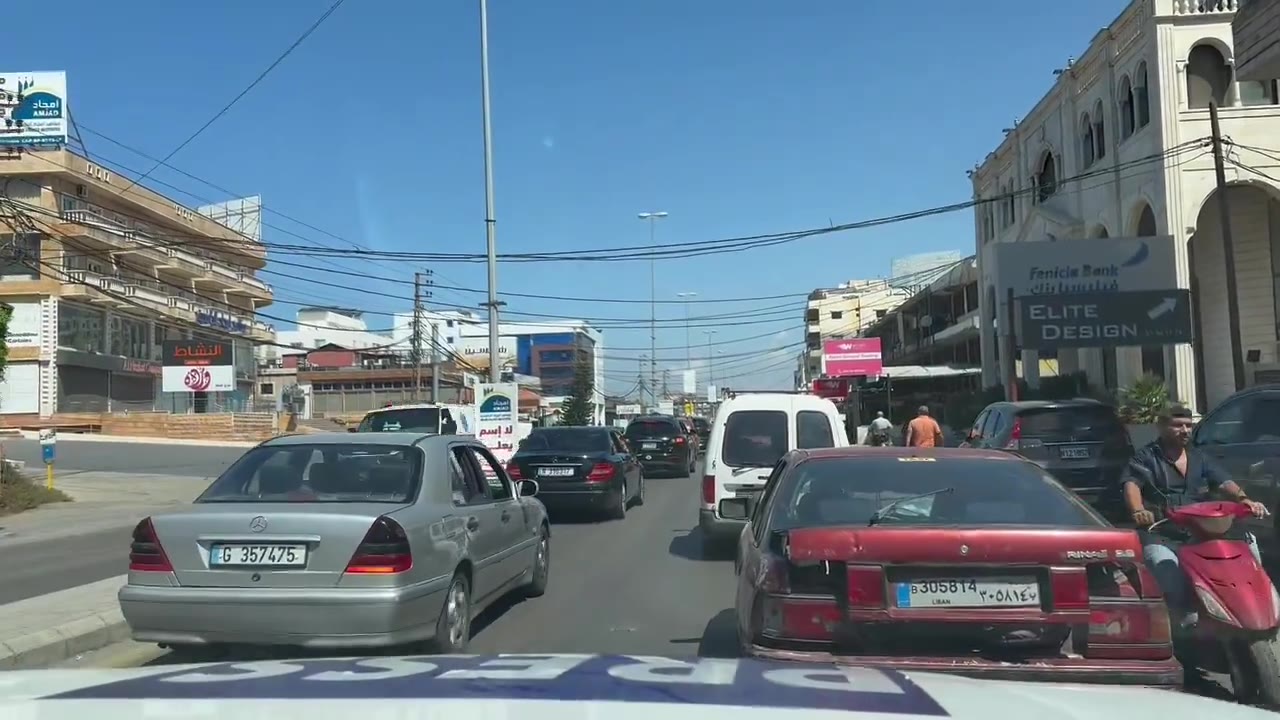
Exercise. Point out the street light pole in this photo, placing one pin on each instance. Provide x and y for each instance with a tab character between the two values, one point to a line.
711	374
490	223
653	218
688	344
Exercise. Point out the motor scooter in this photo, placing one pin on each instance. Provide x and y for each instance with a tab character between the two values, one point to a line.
1236	607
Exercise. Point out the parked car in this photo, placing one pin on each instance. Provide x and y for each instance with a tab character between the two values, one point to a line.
946	560
1242	433
663	445
1081	442
580	468
334	540
751	431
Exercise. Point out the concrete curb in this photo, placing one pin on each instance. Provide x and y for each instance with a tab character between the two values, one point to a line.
63	642
91	437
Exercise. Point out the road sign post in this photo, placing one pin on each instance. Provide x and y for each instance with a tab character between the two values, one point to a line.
1115	319
48	451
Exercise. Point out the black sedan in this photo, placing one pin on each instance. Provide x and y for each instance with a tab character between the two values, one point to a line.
662	444
580	468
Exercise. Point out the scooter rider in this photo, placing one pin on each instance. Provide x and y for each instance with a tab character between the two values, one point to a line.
878	430
1169	473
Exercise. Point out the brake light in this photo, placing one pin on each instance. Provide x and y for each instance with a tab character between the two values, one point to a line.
1015	434
679	440
1129	631
601	472
384	551
787	617
513	471
708	489
866	586
1069	588
145	553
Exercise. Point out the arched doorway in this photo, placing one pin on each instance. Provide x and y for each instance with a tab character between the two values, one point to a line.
1255	228
1153	361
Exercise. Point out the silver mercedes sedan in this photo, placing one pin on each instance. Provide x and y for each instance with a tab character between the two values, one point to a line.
339	540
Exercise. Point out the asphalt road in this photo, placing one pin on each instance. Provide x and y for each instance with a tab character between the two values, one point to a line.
38	568
90	455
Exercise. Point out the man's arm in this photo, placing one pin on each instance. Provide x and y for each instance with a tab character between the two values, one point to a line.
1219	480
1135	478
907	431
937	434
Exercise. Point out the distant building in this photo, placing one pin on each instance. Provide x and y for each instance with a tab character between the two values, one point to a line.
840	312
916	271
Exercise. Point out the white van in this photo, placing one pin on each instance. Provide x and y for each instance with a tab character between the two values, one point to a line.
751	431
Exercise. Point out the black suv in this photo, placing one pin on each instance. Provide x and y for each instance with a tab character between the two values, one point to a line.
1081	442
662	443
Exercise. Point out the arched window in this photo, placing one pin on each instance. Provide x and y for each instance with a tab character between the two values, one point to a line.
1208	77
1141	99
1126	108
1047	178
1146	223
1099	131
1086	141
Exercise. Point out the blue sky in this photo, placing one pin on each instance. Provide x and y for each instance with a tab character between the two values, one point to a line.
738	117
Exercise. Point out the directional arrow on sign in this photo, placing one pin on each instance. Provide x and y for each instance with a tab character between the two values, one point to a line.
1165	307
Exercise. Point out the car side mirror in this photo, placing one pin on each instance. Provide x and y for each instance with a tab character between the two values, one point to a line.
528	488
735	509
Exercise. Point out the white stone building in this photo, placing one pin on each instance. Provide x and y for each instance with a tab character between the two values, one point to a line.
1117	148
840	312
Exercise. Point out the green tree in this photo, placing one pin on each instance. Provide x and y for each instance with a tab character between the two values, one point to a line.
6	312
579	405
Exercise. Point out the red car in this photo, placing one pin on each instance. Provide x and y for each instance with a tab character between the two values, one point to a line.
966	561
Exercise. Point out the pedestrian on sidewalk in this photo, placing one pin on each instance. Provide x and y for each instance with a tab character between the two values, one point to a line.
923	431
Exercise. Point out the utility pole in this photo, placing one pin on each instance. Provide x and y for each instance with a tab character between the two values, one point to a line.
666	392
1228	250
435	361
421	280
688	344
490	223
652	218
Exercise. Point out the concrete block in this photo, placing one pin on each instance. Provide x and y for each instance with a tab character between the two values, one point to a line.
36	650
84	634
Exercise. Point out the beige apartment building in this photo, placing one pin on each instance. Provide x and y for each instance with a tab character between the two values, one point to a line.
99	273
840	312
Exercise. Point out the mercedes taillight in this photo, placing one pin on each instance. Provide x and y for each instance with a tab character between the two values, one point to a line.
145	553
384	551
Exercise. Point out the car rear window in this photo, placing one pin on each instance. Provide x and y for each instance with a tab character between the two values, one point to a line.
813	430
652	428
849	491
701	424
569	440
425	420
1083	423
320	473
754	438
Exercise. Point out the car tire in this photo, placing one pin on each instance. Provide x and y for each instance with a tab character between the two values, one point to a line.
640	493
453	627
541	572
618	511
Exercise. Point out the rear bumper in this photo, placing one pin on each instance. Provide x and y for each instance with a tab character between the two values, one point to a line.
1149	673
676	462
718	528
579	499
310	617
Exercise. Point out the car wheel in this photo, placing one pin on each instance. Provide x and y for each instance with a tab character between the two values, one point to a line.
453	627
619	509
541	565
640	492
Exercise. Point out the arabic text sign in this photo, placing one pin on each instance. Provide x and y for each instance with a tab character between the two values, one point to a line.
197	366
583	678
497	412
1102	265
1153	317
33	108
852	356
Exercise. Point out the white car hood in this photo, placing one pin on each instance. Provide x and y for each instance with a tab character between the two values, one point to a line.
567	687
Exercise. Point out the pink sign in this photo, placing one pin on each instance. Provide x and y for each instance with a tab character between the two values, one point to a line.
852	356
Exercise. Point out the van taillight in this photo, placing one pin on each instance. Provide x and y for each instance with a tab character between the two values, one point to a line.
1129	630
1015	435
384	551
145	553
708	489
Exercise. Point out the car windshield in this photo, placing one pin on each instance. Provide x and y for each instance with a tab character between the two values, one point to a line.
754	438
652	428
1087	423
968	491
568	440
320	473
424	420
701	424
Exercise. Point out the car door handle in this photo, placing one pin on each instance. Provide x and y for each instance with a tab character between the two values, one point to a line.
506	516
473	523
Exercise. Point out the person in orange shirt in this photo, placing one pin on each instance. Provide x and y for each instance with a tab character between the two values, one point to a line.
923	431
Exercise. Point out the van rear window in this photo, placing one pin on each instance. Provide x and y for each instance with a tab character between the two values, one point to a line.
754	438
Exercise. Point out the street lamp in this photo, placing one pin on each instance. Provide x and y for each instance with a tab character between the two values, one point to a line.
688	345
653	218
490	223
710	359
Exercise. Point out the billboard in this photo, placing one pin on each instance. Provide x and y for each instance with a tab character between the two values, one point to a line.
852	356
242	215
197	366
1075	267
497	417
475	350
33	109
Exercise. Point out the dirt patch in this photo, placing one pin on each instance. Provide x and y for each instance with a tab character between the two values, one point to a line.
19	492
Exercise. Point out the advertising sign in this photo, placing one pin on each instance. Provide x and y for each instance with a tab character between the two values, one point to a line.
475	350
197	366
628	410
33	108
1153	317
497	412
852	356
689	381
831	388
24	325
1072	267
221	321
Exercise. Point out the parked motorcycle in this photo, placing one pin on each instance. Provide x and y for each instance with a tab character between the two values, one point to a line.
1237	608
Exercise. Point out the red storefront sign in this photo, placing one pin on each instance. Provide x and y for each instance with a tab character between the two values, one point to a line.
851	357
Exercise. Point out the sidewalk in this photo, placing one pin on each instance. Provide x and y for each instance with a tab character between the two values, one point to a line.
96	437
48	629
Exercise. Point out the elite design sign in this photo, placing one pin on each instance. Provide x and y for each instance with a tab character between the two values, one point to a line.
1110	319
